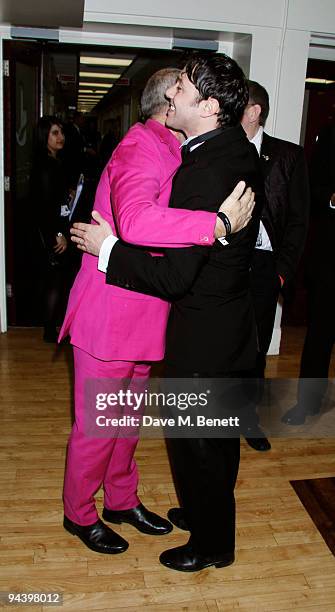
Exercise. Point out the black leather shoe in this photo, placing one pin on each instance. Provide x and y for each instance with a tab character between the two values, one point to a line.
257	439
97	537
297	415
259	444
141	518
176	516
185	559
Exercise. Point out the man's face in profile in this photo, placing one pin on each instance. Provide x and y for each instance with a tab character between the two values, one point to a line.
183	112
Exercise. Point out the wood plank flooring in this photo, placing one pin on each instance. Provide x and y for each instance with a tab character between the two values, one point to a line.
282	561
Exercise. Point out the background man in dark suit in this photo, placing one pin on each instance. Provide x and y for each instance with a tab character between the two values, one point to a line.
283	227
320	335
212	330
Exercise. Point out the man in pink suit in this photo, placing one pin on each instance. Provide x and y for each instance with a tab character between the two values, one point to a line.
116	333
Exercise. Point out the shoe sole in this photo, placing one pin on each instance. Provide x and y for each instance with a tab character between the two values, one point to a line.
217	565
143	530
91	546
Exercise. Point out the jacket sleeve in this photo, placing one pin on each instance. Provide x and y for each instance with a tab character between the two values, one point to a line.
296	228
135	184
168	277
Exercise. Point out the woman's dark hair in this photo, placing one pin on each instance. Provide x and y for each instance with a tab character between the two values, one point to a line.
43	128
220	77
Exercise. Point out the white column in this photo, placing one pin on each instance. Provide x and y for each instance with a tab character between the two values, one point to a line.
291	85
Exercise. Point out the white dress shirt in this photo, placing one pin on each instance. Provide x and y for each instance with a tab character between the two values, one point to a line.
263	240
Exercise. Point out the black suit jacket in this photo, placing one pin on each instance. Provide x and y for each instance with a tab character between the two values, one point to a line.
321	260
286	210
49	192
211	328
323	170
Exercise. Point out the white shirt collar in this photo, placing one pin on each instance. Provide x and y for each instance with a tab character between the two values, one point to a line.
258	139
183	144
189	140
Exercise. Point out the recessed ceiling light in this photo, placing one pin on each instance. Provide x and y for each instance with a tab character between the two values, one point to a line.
93	91
320	81
89	84
105	61
100	75
97	87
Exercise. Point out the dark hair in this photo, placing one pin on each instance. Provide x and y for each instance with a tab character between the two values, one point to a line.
43	128
153	98
220	77
259	95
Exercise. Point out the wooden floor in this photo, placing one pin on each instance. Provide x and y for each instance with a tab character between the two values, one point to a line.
282	562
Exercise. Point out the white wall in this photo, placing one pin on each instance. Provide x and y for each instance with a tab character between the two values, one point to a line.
312	15
186	13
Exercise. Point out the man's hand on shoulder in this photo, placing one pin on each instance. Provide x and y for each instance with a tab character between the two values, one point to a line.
238	207
89	237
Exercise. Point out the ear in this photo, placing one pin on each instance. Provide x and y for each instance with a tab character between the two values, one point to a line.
209	107
254	112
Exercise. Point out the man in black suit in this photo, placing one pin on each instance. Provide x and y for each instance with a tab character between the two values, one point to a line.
320	335
212	329
283	228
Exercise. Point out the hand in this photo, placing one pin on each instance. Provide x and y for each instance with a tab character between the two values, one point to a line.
238	209
89	237
61	244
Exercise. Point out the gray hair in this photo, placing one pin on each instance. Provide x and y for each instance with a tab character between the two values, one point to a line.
153	100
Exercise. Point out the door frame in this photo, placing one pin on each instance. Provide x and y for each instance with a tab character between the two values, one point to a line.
28	54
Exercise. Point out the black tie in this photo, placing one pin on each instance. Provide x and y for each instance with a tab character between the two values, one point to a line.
185	151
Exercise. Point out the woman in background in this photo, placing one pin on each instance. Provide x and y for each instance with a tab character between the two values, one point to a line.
49	197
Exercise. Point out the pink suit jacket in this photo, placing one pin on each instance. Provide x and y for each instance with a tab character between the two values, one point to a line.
109	322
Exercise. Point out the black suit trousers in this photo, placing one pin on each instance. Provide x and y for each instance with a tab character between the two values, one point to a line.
265	286
320	335
205	472
319	341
